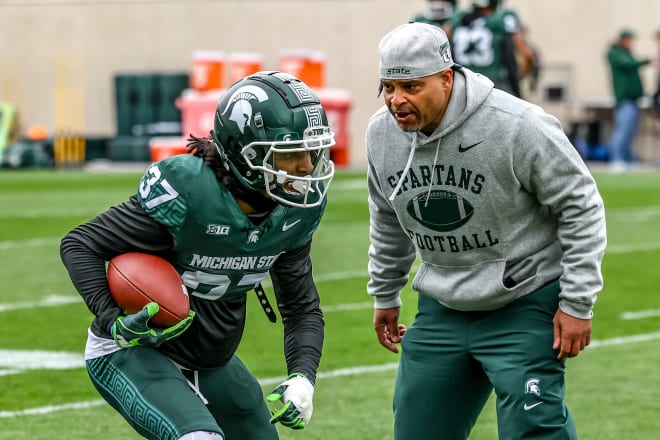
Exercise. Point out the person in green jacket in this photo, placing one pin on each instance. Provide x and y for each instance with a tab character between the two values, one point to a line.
627	87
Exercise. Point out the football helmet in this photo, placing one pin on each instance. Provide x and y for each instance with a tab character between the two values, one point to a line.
438	10
265	125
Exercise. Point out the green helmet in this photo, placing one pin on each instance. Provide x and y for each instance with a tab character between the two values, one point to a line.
272	113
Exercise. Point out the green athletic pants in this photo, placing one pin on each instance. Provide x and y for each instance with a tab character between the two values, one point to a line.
451	361
155	397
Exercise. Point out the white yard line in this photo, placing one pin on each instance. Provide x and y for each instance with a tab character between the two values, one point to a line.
631	248
640	314
351	371
49	301
34	242
40	359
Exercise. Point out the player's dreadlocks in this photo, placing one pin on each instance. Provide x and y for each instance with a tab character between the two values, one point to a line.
205	148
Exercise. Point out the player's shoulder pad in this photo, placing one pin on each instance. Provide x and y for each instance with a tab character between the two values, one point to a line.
181	168
168	184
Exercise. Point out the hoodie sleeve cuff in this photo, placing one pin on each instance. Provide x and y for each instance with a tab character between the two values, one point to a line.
579	311
387	303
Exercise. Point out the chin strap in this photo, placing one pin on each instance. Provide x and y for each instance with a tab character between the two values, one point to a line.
265	304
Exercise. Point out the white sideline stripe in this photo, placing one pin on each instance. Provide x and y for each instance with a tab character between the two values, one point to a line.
49	301
334	276
642	213
352	371
621	340
35	242
350	184
348	307
58	300
52	408
627	249
40	359
36	213
641	314
38	242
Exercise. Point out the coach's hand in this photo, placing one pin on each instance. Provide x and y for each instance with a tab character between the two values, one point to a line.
388	329
571	335
296	394
132	330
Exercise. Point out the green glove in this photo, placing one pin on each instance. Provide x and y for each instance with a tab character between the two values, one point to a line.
132	330
296	393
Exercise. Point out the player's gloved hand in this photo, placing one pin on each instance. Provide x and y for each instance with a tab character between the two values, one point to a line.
132	330
296	394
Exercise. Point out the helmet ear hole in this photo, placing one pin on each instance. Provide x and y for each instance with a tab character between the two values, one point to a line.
250	153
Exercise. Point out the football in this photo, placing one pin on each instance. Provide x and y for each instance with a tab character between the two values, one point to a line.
444	211
136	279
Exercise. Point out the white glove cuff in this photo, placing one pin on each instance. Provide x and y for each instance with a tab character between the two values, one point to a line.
300	392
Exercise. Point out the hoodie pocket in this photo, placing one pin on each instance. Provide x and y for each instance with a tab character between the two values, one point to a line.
469	288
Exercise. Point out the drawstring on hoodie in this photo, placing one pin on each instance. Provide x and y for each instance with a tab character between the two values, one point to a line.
409	164
435	161
406	168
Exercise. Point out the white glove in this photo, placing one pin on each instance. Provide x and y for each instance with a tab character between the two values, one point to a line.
296	393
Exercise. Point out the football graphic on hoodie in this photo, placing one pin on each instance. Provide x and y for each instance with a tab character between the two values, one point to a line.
440	210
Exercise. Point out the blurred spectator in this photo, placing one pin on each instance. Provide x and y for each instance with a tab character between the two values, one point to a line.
437	12
530	69
656	62
488	40
627	87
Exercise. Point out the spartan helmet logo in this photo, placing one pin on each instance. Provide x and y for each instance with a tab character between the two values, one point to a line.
241	108
532	386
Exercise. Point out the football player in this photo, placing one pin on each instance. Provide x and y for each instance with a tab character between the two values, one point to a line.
244	204
488	40
437	12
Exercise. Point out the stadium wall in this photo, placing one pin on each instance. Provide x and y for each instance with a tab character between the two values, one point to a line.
58	57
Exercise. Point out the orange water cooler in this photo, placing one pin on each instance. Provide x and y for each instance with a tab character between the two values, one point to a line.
161	147
307	65
208	70
242	64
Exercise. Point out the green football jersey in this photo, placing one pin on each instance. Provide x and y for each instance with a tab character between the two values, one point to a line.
481	45
219	252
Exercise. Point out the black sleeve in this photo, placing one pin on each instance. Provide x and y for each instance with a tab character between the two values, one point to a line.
85	250
299	304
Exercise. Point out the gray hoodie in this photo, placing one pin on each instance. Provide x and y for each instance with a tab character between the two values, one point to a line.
496	202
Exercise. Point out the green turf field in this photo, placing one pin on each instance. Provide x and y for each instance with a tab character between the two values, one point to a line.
44	391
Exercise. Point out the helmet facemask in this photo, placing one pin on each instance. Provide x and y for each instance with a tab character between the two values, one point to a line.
290	189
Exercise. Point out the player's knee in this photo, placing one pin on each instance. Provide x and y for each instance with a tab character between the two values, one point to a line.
202	435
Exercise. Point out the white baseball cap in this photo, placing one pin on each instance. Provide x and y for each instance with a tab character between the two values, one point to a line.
414	50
